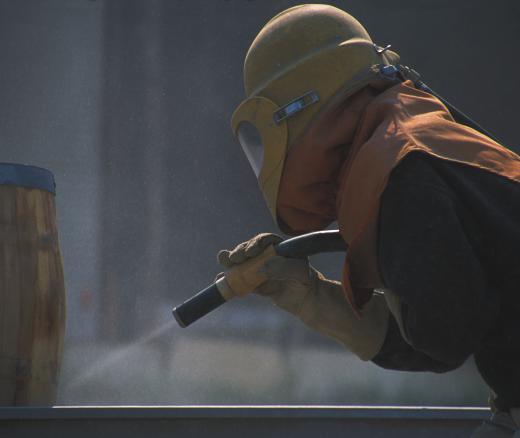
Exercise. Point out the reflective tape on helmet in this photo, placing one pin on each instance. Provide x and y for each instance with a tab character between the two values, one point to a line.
295	106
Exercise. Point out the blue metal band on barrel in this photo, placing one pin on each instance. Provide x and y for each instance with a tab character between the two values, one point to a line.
31	177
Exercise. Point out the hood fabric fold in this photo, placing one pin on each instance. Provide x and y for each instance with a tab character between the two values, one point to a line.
313	167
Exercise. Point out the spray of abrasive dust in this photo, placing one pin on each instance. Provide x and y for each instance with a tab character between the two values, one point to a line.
118	355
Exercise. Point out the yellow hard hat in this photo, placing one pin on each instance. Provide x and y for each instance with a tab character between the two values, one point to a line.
304	59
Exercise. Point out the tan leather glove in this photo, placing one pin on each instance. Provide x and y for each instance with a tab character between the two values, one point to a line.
295	286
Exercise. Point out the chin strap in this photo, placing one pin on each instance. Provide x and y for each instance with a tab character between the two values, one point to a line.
401	73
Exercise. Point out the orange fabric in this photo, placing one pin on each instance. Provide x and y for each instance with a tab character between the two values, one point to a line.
309	186
328	177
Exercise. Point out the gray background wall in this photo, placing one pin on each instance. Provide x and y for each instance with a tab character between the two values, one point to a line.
128	103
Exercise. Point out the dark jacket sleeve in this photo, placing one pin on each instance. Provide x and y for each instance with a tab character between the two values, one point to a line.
426	259
397	354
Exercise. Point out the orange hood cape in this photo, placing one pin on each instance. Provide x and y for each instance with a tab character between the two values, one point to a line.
337	172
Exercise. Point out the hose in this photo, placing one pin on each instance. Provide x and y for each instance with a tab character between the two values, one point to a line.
302	246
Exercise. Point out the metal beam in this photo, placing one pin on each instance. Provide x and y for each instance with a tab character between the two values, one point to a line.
230	421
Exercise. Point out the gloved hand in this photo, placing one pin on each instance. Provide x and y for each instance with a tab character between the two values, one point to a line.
295	286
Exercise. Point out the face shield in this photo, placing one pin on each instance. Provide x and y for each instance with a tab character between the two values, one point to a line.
261	129
252	145
264	142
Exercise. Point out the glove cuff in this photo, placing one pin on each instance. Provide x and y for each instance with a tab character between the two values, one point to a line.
326	310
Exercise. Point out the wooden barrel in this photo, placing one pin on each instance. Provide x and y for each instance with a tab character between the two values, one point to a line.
32	290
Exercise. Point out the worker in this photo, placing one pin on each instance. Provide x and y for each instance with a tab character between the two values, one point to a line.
429	207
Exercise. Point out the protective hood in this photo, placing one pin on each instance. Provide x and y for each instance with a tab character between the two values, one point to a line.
299	64
339	172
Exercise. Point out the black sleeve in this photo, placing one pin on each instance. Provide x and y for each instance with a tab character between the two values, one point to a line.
426	260
397	354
